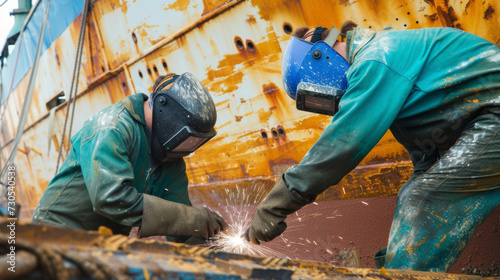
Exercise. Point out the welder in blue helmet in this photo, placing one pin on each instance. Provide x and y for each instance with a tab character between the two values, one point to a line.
438	91
126	167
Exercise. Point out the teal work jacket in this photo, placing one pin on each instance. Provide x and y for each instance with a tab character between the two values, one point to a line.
102	180
425	85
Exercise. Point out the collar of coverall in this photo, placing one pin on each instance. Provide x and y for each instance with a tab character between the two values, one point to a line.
358	38
135	105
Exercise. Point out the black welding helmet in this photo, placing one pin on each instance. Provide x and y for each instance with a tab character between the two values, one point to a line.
184	116
314	74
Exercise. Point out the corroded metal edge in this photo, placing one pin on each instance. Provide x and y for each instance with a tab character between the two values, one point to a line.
137	259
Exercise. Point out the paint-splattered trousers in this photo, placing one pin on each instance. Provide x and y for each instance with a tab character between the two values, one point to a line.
439	210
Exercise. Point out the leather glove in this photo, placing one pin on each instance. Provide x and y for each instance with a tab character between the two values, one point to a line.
269	220
163	217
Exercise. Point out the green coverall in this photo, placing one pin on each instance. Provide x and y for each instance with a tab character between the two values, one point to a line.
438	91
108	168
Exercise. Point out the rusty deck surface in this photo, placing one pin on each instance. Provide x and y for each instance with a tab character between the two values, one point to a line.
46	251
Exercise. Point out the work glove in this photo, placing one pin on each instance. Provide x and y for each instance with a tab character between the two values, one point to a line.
269	220
163	217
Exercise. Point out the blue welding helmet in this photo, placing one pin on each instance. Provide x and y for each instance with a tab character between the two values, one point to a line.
314	74
184	117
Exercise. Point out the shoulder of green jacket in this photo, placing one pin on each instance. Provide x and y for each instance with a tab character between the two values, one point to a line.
126	111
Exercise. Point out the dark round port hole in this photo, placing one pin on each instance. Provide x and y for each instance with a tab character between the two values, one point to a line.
264	134
287	28
164	63
155	69
281	131
238	42
140	74
149	71
274	132
250	45
134	37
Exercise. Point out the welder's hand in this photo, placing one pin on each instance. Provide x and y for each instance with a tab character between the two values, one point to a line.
269	220
163	217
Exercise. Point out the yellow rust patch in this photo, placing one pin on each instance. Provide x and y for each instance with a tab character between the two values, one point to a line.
209	5
179	5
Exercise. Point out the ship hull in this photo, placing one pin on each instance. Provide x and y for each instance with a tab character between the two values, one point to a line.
235	48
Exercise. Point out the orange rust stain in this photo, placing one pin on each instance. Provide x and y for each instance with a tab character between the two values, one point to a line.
251	19
276	99
270	88
264	115
56	142
117	52
267	8
220	104
344	2
105	7
115	87
246	58
42	183
74	28
143	32
314	122
94	45
432	17
36	110
123	6
179	5
209	5
228	84
444	17
488	13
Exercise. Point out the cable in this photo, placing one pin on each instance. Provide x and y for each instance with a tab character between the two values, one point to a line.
3	3
74	84
82	34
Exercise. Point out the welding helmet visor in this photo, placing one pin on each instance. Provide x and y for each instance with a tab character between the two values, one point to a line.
184	117
314	74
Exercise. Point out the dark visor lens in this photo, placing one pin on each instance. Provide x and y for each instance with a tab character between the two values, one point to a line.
190	144
187	140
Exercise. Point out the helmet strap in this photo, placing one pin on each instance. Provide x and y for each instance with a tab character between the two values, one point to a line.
317	34
331	39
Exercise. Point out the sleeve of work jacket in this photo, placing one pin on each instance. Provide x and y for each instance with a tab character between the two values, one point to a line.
368	108
107	173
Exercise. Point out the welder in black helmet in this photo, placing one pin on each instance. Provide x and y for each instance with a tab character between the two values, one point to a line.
126	166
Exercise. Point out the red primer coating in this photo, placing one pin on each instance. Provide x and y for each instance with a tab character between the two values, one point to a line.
363	225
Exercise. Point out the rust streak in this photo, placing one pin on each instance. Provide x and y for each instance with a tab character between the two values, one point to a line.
488	13
179	5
